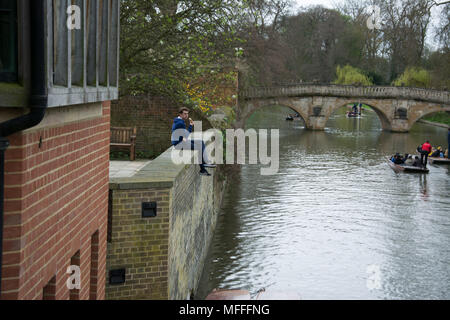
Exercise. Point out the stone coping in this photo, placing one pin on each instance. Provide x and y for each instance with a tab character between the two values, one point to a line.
332	90
159	173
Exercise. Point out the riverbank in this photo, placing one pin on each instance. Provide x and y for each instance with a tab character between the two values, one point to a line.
440	119
436	124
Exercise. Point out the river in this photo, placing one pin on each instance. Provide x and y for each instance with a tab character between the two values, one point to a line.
336	222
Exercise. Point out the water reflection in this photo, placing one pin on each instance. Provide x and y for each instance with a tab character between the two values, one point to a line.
423	187
334	209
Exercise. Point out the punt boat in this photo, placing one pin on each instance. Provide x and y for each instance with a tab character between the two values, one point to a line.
438	160
403	168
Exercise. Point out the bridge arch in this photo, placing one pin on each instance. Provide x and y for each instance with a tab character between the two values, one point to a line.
398	108
378	109
314	112
254	106
423	111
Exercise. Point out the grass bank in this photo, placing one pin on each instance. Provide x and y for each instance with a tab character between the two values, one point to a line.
440	117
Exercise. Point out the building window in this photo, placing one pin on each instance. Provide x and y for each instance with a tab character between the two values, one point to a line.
8	36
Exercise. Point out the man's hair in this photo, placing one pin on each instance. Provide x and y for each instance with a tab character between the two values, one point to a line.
183	110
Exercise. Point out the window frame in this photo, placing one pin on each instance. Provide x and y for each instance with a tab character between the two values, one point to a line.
12	76
17	93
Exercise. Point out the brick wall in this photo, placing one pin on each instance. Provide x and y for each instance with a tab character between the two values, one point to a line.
56	202
193	218
153	116
139	245
163	256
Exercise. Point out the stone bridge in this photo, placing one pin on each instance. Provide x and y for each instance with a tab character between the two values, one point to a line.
397	107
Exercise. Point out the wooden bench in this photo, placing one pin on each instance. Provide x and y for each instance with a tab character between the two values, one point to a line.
124	138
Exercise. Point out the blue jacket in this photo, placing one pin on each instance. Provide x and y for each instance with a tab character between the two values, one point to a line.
179	123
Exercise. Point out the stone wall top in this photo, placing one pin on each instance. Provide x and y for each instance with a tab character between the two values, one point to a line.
160	173
373	92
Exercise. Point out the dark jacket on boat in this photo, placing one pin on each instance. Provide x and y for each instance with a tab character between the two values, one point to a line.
417	162
436	154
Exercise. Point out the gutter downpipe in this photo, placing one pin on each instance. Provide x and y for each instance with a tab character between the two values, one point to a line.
38	98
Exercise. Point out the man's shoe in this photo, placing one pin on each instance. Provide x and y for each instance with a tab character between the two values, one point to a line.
207	165
204	173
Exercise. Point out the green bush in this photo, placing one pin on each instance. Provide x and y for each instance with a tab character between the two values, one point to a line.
440	117
145	154
125	155
350	75
414	77
119	155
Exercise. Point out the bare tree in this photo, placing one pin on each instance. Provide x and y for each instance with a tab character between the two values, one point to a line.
443	31
405	27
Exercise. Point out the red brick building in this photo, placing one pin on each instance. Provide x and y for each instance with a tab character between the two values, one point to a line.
56	84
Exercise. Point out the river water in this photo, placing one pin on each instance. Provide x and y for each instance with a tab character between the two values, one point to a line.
336	222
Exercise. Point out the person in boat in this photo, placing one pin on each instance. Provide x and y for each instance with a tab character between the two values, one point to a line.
355	108
417	162
426	149
409	161
433	149
397	159
289	117
436	153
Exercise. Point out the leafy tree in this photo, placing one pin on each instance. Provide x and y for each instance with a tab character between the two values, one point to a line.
167	43
170	44
414	77
350	75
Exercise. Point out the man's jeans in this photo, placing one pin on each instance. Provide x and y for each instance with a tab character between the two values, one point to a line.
195	145
424	154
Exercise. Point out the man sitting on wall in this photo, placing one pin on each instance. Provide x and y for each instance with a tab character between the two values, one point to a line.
182	141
